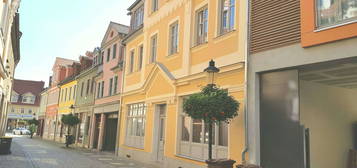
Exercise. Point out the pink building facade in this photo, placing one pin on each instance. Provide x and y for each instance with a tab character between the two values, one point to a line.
108	83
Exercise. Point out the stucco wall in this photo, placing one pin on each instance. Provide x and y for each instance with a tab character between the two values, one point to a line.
329	112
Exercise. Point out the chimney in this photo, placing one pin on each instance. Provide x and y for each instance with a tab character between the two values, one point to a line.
69	71
50	82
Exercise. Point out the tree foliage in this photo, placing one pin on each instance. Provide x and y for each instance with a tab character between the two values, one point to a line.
70	120
212	104
33	122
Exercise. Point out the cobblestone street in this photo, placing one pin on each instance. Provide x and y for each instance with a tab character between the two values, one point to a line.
36	153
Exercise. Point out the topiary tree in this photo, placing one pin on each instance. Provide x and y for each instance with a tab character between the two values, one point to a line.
69	120
212	105
33	126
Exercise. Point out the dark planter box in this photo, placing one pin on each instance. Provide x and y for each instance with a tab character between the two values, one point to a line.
248	166
220	163
5	145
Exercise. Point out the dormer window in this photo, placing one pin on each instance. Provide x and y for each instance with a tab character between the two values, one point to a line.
28	98
14	97
137	18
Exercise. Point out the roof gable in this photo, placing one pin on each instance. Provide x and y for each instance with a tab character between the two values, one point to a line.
62	62
113	30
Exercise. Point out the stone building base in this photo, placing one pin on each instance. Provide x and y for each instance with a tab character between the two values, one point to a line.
248	166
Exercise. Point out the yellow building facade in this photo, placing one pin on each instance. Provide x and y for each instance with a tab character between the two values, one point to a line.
167	49
65	104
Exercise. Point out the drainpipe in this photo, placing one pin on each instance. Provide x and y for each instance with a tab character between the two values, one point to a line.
120	103
246	145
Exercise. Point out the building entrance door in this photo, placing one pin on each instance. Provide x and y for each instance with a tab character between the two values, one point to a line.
110	132
161	131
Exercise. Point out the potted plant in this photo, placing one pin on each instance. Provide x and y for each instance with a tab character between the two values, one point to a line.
33	126
69	120
212	105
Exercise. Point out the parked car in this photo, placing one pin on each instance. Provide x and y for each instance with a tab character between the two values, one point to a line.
20	131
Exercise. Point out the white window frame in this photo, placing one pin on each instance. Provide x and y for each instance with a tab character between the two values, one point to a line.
231	12
14	97
153	48
115	85
131	61
135	134
140	57
340	21
198	151
154	5
201	28
173	38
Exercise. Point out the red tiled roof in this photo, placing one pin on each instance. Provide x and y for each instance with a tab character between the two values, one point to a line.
26	86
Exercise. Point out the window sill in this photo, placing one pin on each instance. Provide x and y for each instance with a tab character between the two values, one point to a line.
221	35
172	55
199	46
190	158
335	26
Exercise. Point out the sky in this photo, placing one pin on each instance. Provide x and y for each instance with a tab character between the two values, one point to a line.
63	28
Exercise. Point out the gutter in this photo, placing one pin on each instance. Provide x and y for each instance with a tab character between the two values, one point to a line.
246	145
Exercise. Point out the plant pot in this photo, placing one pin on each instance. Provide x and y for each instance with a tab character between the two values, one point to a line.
5	145
248	166
220	163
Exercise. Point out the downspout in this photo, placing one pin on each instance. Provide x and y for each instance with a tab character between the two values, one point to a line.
246	145
120	103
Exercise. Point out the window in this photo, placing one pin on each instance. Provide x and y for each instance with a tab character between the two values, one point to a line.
12	110
82	88
136	125
98	90
108	54
141	55
121	52
154	5
332	12
30	111
115	85
153	48
70	93
65	95
131	66
110	87
22	110
138	18
92	87
114	51
74	91
14	97
202	26
88	86
227	15
28	98
102	90
193	136
173	38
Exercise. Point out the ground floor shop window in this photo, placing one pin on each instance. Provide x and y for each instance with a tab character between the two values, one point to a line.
136	119
193	139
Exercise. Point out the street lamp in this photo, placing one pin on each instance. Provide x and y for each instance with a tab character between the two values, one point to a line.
72	108
211	71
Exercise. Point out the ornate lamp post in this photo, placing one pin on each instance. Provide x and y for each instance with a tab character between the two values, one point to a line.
211	70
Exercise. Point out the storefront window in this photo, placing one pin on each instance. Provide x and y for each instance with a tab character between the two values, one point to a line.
193	134
136	125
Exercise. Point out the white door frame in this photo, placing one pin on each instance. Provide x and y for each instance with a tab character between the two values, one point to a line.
156	130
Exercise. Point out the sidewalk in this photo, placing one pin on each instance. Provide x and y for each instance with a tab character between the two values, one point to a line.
17	159
105	157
